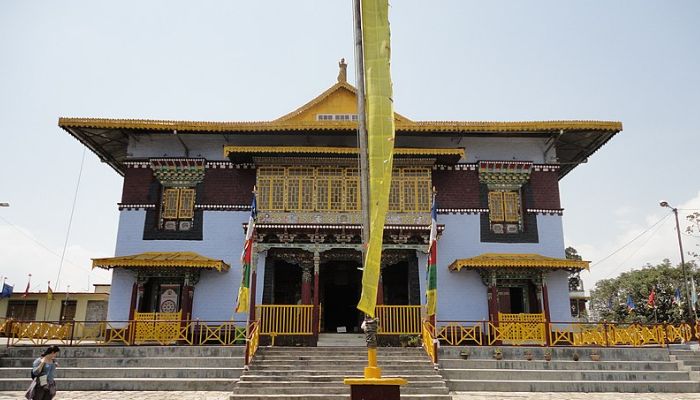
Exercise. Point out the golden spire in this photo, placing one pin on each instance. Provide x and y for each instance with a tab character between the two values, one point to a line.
343	73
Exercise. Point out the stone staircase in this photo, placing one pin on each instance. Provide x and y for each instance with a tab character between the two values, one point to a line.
687	357
618	370
282	373
215	368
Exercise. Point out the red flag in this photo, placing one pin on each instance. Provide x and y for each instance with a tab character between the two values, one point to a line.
652	298
26	291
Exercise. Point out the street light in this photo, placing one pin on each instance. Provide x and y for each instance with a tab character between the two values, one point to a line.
664	203
4	204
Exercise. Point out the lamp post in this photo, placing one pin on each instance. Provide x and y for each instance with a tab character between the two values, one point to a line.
4	204
691	307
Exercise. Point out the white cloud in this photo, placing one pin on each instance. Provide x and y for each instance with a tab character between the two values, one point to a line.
23	254
651	247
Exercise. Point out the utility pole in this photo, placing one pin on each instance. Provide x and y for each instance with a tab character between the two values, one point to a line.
691	305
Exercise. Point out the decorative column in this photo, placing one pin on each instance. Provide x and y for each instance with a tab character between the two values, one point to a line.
306	275
545	307
493	298
380	286
134	296
316	314
253	284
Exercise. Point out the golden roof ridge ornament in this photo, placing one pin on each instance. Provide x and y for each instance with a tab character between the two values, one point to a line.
343	71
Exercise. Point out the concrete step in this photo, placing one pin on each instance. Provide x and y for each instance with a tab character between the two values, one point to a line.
560	353
340	368
407	396
323	376
130	351
687	356
574	386
128	372
560	365
322	385
553	375
153	362
335	357
127	384
281	389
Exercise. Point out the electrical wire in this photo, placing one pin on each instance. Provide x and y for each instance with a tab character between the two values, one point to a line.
636	251
70	219
40	244
631	241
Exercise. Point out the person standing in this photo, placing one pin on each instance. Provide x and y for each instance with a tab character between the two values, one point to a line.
44	371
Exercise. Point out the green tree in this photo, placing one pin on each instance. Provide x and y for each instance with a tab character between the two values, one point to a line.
609	298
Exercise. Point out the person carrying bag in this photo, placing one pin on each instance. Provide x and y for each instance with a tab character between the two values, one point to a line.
43	386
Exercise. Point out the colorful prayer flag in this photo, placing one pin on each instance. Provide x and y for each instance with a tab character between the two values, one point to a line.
6	291
49	293
380	139
630	303
431	284
693	294
26	290
677	297
243	301
652	298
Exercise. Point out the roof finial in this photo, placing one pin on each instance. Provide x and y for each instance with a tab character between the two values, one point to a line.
343	73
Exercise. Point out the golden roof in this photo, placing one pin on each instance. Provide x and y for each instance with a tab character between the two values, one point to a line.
497	260
155	259
573	140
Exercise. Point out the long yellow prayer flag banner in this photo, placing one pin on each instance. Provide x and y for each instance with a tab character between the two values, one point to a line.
380	130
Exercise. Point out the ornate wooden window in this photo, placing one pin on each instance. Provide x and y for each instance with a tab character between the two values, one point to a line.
177	208
336	189
504	206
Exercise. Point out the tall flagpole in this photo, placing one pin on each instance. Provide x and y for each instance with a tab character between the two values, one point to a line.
361	123
372	370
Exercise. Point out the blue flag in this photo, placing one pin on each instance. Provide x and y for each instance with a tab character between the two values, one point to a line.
630	302
6	291
677	297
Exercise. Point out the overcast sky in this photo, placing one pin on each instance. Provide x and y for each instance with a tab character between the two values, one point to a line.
632	61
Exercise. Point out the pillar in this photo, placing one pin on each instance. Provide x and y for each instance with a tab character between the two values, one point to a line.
380	287
316	315
253	284
493	298
545	307
133	304
306	282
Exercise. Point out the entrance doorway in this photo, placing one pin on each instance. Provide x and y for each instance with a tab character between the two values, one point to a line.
340	286
518	298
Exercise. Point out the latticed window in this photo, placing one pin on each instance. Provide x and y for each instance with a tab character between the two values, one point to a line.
504	206
301	188
177	208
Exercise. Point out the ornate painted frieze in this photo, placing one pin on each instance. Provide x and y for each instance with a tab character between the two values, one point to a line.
182	172
504	175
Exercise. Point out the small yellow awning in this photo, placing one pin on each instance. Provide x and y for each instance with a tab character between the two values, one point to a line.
155	259
497	260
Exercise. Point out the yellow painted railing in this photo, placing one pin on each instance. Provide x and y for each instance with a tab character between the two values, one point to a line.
398	320
252	342
163	328
280	319
455	334
519	329
430	343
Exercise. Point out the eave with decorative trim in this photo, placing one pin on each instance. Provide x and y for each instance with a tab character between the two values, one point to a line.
244	154
574	140
532	261
176	259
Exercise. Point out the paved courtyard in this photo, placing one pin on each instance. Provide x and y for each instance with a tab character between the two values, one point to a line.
455	396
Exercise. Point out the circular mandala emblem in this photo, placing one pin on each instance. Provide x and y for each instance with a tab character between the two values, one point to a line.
168	306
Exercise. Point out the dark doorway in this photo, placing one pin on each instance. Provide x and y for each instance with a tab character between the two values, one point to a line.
287	283
395	284
162	294
340	283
